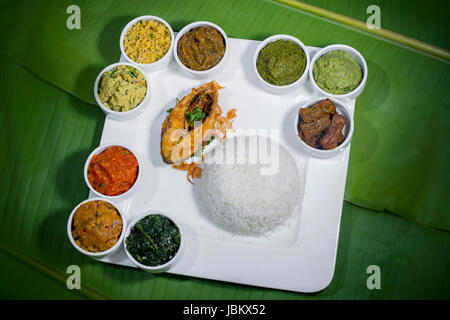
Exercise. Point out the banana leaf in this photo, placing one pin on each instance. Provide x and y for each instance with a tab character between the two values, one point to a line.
400	153
422	20
47	135
17	276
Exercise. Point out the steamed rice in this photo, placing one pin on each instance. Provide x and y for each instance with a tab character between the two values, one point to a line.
241	198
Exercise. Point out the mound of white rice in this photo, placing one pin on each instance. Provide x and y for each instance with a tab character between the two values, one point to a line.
246	192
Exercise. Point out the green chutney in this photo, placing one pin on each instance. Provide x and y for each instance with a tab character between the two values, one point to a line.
281	62
337	72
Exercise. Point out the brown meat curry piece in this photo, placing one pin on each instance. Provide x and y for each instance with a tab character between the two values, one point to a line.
312	131
334	133
317	111
316	125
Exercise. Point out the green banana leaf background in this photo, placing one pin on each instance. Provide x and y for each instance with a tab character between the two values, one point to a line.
396	213
421	20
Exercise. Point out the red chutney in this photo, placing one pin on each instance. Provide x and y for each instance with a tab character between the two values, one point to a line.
113	171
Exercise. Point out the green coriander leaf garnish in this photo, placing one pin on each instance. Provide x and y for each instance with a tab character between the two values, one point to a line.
196	115
132	72
112	73
199	153
210	140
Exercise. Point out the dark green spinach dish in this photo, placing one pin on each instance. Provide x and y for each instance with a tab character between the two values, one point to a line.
153	240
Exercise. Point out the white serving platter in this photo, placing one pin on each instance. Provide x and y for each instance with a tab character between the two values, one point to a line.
298	257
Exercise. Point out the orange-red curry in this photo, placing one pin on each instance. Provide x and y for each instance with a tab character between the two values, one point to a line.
113	171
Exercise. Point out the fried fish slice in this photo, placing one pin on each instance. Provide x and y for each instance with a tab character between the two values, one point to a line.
190	123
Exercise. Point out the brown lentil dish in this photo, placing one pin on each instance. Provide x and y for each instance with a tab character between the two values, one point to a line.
201	48
96	226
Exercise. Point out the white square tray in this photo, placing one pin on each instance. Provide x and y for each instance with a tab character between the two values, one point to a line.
299	257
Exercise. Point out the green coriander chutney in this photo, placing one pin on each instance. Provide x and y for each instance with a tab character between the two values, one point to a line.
281	62
337	72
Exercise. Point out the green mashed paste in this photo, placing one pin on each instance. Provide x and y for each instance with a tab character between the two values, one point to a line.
122	88
281	62
337	72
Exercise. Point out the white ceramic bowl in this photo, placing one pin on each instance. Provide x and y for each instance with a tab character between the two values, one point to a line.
342	109
102	253
205	73
163	267
154	66
126	115
287	88
127	194
352	94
